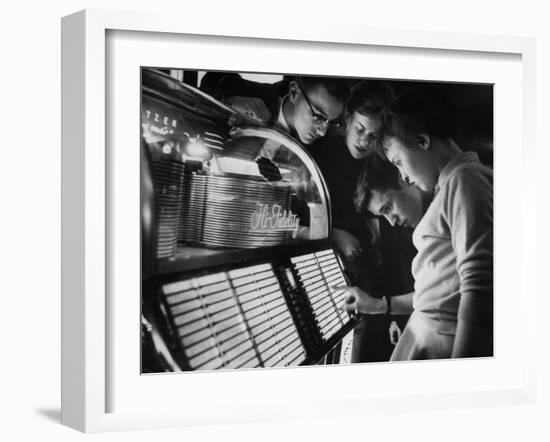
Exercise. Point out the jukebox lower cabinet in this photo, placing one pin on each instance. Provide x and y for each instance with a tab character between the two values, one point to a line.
281	312
238	268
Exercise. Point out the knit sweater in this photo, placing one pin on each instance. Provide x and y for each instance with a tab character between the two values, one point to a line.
453	269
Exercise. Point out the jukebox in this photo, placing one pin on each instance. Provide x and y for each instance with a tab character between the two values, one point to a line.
238	269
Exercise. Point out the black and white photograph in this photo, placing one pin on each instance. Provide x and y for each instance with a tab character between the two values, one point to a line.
334	227
295	220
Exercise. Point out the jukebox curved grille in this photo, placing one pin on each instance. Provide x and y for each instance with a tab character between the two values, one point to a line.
235	211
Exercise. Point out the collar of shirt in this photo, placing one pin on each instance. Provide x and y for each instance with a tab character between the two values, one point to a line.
281	122
450	167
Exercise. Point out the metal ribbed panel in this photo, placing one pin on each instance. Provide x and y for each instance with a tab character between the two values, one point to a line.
168	181
222	211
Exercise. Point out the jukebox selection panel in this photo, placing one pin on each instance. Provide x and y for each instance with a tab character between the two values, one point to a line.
320	275
257	316
234	319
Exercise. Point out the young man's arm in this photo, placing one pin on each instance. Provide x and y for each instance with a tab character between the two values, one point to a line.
471	219
361	302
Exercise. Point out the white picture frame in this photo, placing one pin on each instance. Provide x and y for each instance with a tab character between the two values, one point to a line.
88	320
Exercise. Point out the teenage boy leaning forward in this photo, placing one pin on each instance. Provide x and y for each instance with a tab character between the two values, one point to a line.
452	300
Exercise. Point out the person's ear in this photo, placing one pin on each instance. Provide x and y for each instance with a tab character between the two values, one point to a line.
293	91
423	141
347	117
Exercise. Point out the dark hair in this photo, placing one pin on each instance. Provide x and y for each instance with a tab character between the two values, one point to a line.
370	98
420	109
336	87
378	175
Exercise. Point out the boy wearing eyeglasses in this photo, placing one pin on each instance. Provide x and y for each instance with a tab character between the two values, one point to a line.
312	106
304	107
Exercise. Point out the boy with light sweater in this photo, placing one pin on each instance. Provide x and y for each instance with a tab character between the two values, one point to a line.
453	270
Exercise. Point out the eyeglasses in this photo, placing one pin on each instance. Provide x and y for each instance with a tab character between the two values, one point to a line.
319	119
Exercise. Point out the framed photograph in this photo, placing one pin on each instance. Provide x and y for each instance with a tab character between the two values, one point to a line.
216	212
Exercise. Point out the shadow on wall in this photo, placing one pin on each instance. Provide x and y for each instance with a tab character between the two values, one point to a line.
51	414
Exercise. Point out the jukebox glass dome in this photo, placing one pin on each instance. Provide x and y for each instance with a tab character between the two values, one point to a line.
221	179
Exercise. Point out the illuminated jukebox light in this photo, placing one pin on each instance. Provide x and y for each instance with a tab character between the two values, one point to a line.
234	319
318	273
